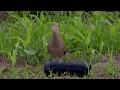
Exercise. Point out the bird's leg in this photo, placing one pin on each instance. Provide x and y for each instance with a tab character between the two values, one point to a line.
54	59
57	59
60	60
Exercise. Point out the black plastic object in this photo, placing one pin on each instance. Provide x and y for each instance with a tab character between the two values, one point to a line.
80	68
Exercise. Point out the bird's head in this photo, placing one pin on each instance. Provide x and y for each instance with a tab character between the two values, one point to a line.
55	28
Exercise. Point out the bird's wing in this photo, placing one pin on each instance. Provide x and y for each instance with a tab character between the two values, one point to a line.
48	48
64	48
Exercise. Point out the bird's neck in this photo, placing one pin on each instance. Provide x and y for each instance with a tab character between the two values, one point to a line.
55	41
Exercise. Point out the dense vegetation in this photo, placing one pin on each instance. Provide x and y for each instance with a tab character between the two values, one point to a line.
88	35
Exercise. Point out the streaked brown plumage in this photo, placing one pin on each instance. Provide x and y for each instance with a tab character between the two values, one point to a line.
3	15
56	47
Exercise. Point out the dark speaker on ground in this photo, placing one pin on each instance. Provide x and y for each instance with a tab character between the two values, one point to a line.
80	69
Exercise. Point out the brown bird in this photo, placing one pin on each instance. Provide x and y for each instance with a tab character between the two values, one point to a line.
3	15
56	48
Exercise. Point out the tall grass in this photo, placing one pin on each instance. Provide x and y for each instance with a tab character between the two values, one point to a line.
97	32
